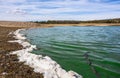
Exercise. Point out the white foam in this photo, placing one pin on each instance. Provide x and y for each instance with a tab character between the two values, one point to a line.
42	64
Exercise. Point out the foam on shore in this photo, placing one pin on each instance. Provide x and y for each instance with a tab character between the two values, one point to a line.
42	64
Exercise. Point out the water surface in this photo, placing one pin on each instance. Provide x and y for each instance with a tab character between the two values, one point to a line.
81	48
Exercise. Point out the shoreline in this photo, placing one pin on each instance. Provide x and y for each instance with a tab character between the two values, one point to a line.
10	67
41	64
35	64
82	24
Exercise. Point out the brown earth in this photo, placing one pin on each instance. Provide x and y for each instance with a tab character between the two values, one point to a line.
17	24
10	67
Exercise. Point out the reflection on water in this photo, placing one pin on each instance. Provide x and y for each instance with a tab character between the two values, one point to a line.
68	45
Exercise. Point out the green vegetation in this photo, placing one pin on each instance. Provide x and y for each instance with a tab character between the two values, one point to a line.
117	20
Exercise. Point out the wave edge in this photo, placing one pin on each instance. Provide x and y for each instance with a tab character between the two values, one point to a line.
41	64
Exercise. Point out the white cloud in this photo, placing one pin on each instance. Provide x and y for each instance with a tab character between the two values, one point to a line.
17	11
12	1
57	9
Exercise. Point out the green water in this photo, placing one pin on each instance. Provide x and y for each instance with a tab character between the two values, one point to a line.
68	46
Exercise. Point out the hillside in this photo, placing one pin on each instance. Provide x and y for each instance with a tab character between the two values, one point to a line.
16	24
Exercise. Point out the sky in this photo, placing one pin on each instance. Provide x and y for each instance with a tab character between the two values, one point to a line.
39	10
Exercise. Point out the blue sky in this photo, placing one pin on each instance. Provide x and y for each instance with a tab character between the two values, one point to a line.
32	10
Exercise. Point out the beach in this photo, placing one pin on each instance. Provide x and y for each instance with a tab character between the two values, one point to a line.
81	24
10	67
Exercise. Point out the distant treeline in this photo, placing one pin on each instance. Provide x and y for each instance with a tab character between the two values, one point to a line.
77	22
58	22
104	21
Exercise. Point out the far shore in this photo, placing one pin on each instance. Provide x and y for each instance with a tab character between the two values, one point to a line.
37	25
81	24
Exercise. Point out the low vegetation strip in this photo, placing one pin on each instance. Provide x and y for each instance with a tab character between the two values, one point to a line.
117	20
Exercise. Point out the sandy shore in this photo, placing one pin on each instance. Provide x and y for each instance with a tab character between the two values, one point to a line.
10	67
82	24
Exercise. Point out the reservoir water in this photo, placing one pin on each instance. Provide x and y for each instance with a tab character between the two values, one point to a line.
93	52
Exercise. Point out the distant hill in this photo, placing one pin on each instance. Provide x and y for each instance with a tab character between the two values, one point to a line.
117	20
16	24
